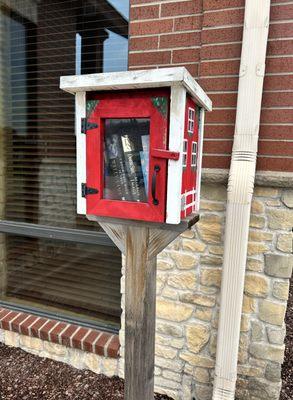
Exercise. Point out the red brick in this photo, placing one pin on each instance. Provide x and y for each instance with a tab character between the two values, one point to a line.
54	335
24	328
274	164
219	84
276	132
275	148
284	30
222	35
188	23
113	347
180	8
219	5
35	327
4	312
221	116
280	47
223	99
99	347
143	43
278	82
223	18
221	161
279	65
6	320
217	146
44	332
221	51
281	12
277	99
186	55
151	27
276	116
15	324
180	40
66	335
150	58
219	68
89	340
132	2
146	12
77	338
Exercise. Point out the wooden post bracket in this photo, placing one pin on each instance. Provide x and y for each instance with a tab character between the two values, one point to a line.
140	242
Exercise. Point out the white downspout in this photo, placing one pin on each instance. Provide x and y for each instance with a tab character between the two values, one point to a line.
240	190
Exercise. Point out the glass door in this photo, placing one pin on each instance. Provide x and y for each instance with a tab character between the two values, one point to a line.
129	182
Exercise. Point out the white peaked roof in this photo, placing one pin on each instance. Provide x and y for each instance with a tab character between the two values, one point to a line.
152	78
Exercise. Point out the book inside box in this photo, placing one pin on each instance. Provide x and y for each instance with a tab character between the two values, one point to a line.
126	159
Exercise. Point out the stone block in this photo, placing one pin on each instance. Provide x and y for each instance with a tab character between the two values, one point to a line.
217	250
170	293
206	205
210	228
254	265
197	360
11	339
93	362
193	245
287	198
173	311
248	370
184	261
183	280
257	331
276	336
257	221
261	389
201	375
273	372
32	343
198	299
257	207
256	248
273	313
279	265
204	314
211	260
169	329
261	191
203	392
285	242
280	218
249	305
172	376
260	236
165	265
267	352
281	290
189	233
214	192
211	277
109	366
197	336
256	285
165	352
173	365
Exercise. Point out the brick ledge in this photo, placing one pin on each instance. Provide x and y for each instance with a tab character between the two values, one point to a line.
74	336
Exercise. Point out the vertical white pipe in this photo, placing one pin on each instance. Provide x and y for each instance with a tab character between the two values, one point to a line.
240	190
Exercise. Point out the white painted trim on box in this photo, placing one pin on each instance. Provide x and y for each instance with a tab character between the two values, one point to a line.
162	77
199	159
80	112
176	135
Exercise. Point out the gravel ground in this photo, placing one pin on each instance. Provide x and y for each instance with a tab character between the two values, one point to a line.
24	376
287	368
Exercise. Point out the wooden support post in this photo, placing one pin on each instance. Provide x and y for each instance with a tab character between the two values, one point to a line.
140	242
140	315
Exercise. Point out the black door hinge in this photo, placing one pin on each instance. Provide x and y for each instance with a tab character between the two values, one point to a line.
85	190
86	126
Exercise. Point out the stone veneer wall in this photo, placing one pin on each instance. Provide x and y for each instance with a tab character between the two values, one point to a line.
189	277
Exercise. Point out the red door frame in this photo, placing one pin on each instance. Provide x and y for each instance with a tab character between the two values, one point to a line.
133	104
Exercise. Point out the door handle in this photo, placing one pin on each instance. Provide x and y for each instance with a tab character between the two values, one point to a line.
157	169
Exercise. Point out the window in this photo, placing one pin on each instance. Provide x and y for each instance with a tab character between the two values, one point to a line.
193	154
184	153
51	258
191	115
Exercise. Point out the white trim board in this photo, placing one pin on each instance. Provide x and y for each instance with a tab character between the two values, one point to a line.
162	77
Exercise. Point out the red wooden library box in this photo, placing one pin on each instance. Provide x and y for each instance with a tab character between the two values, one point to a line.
139	143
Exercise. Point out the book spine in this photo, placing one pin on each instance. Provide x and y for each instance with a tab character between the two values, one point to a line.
133	166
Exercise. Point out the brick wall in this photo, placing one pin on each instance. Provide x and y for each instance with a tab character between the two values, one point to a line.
205	36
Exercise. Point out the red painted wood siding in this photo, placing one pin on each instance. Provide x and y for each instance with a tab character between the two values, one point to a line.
205	36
